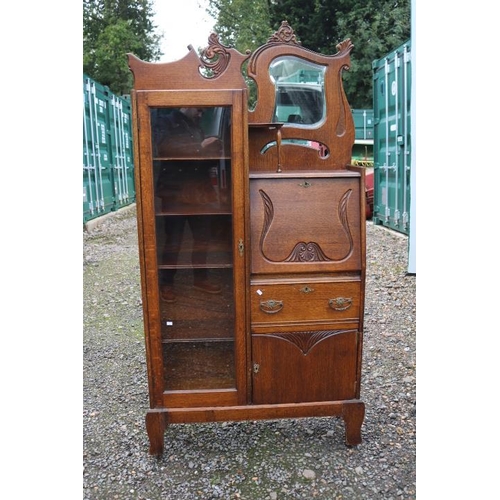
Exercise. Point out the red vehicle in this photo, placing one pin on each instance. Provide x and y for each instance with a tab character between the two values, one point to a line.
369	193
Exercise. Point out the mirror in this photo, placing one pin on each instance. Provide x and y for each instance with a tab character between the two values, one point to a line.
300	91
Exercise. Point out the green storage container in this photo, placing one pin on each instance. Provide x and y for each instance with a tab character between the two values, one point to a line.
392	139
362	150
363	124
98	197
121	151
108	173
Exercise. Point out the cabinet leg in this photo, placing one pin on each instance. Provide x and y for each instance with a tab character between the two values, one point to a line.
353	414
155	427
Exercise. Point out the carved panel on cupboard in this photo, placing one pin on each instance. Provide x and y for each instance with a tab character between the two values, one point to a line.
251	236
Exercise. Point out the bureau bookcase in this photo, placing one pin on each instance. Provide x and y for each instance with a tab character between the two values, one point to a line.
251	236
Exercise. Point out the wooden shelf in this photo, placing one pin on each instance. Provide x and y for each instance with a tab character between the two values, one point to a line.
270	125
206	209
198	157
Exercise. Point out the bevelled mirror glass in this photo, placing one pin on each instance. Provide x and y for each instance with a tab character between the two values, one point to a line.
300	91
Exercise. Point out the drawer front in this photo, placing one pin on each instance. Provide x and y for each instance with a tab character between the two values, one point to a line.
305	303
305	225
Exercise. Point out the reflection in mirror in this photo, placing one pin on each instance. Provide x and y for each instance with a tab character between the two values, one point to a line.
300	91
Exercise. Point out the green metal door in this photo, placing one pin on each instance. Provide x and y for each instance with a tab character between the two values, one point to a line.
98	197
392	139
121	151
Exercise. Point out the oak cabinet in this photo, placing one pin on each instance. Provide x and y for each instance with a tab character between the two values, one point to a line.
251	236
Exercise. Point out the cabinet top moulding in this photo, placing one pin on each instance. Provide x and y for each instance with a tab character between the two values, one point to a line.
187	73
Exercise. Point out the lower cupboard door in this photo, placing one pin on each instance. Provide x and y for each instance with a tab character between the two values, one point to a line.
296	367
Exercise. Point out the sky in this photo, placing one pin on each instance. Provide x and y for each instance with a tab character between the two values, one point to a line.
183	22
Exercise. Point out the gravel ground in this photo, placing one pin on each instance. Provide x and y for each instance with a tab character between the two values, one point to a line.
276	459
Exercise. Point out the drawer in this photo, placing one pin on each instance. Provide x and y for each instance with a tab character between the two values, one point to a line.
305	303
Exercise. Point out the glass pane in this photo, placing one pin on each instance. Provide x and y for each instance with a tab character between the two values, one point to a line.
192	185
300	92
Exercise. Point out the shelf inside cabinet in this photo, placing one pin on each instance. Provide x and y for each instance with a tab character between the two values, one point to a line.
190	157
269	125
218	256
199	365
197	315
194	209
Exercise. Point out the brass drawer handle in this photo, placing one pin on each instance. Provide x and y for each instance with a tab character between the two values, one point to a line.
340	303
271	306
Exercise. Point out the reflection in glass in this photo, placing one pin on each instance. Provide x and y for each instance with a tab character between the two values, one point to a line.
192	187
300	92
321	148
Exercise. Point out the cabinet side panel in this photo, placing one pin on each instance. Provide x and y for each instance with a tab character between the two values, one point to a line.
155	388
362	201
148	235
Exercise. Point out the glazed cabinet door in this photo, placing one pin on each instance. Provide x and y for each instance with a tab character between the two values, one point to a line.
192	224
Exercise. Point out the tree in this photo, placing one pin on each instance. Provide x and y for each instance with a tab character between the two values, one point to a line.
111	29
375	27
242	24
